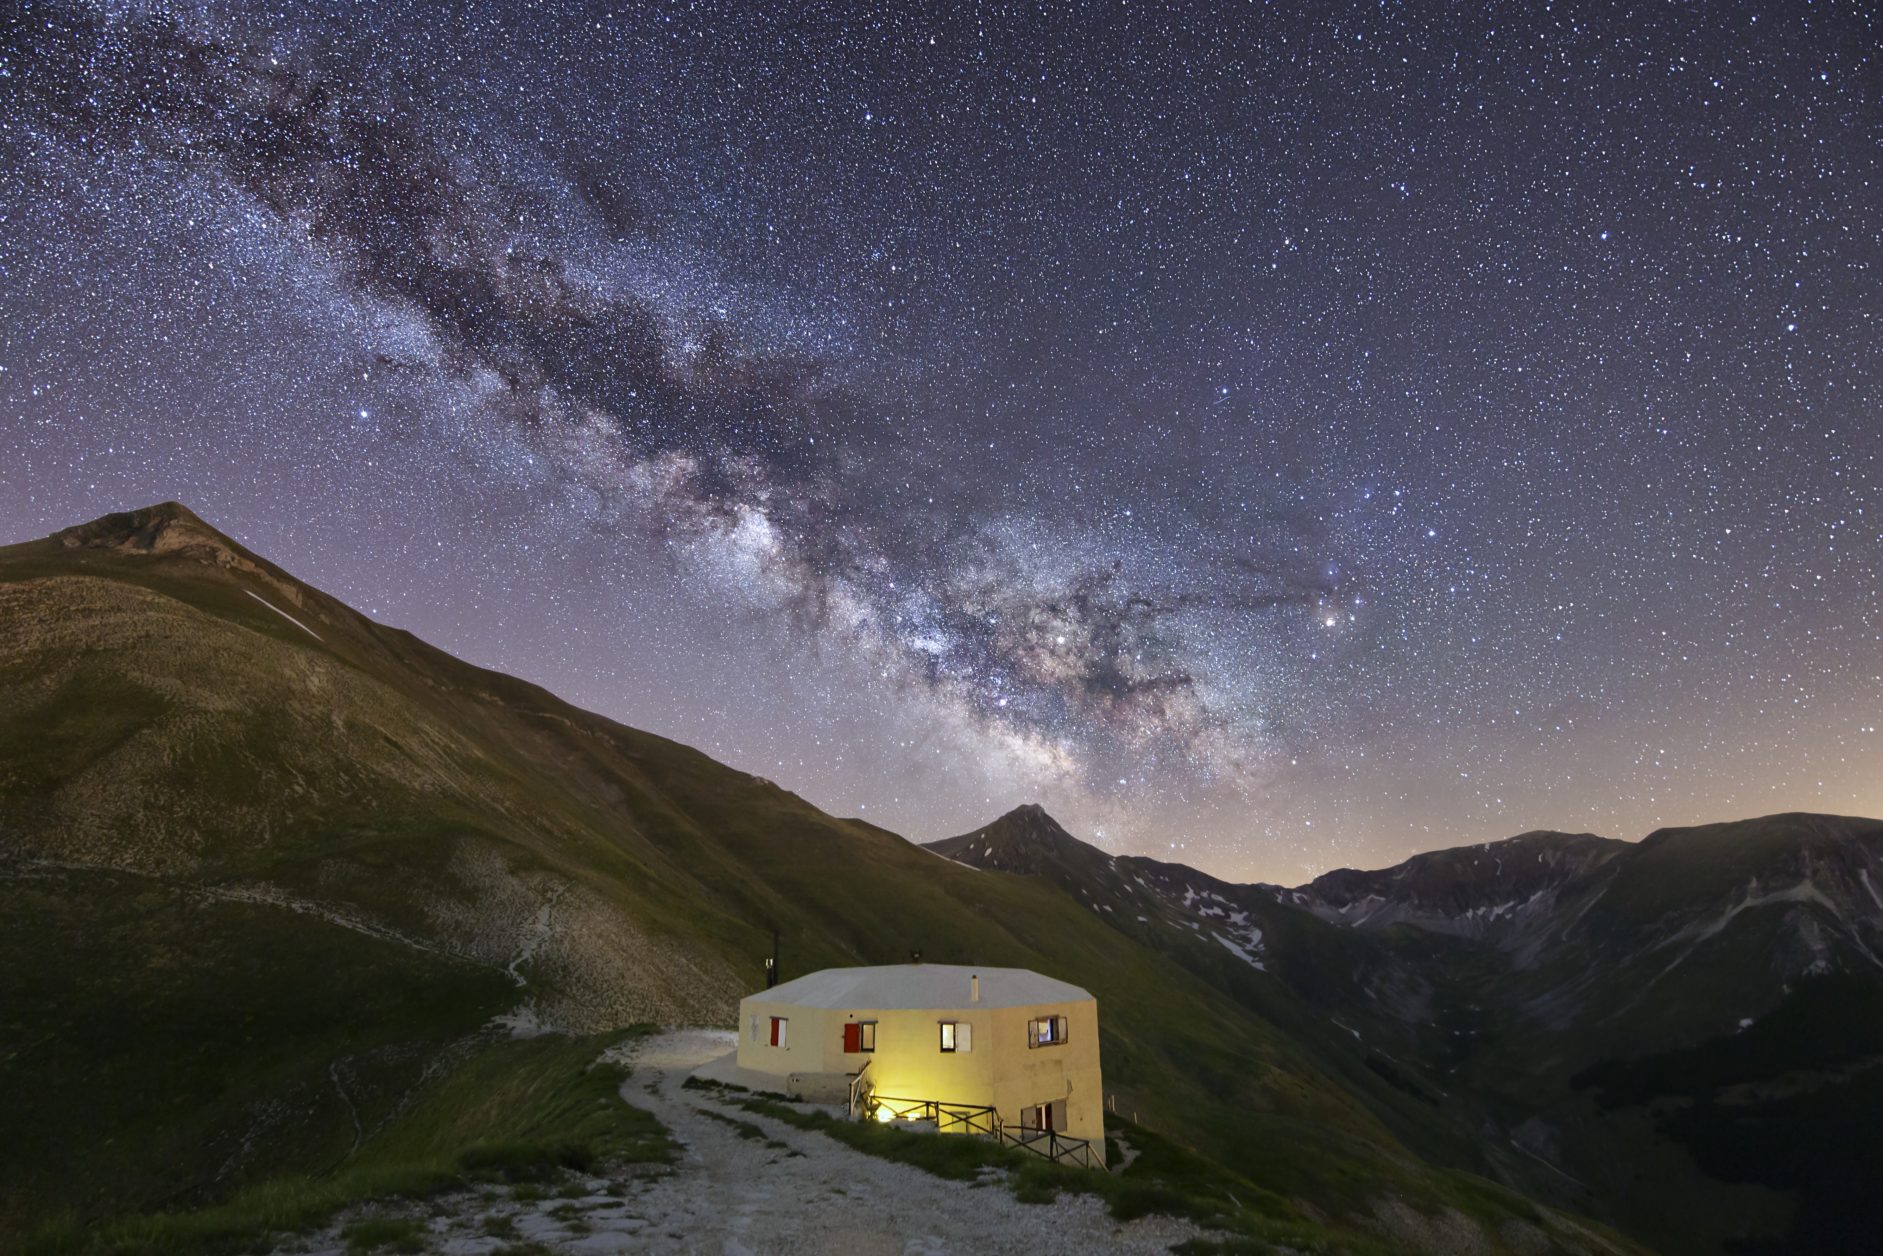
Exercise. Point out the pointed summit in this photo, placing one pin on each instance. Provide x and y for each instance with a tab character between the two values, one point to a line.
1026	839
1033	822
172	530
165	528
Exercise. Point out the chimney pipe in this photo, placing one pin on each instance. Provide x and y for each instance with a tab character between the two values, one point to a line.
771	965
974	988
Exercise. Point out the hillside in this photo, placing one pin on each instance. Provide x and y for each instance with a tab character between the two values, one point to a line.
275	878
1682	1035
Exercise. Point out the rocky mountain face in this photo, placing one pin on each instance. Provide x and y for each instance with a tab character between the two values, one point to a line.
1490	891
277	881
1671	1033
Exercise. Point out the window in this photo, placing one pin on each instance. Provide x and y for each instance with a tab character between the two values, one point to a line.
1044	1116
859	1036
1046	1031
779	1025
957	1036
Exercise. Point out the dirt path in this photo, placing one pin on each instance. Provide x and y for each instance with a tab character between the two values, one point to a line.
791	1191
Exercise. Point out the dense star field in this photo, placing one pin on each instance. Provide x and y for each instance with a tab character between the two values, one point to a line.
1271	440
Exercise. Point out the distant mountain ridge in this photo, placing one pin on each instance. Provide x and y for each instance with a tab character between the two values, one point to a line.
1521	887
1474	891
1547	972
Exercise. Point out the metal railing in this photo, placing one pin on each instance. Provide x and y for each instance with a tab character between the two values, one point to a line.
1050	1145
970	1118
861	1088
949	1118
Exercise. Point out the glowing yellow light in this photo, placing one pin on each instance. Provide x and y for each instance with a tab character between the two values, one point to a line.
885	1115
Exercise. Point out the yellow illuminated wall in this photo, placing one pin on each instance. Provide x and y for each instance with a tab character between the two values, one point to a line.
999	1070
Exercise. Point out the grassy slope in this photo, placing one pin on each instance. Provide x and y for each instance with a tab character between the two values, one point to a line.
159	718
152	1036
513	1111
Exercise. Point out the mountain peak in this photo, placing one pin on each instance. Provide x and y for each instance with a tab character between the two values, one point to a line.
1033	817
160	529
172	530
1026	839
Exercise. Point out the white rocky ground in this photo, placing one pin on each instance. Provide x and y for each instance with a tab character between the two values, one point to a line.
796	1191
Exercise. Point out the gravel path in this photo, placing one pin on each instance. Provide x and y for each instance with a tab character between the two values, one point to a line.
793	1191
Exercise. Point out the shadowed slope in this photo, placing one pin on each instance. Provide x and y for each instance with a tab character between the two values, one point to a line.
1680	1034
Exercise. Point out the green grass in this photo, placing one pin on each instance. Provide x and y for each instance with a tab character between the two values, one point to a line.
519	1110
372	1234
153	1045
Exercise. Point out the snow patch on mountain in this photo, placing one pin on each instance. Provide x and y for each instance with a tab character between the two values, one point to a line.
1249	950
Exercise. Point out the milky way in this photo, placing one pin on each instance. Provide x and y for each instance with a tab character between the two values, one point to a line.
1274	441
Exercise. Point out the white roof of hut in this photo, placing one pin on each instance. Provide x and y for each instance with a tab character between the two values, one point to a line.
900	986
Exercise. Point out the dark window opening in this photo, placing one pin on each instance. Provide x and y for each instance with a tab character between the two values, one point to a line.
1044	1116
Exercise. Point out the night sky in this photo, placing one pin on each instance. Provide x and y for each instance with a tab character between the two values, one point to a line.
1273	440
